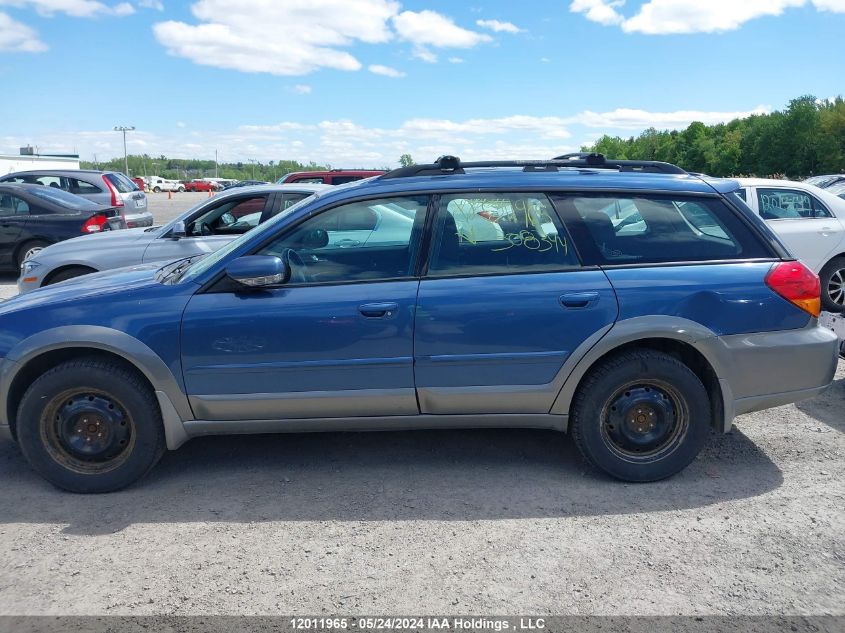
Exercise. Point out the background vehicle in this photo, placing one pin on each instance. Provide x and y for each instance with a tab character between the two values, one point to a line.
637	343
33	216
246	183
139	182
811	221
202	229
332	177
158	184
202	185
837	190
109	188
825	181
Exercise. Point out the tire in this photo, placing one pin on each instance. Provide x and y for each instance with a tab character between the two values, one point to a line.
181	190
27	249
660	421
69	273
157	189
124	436
833	285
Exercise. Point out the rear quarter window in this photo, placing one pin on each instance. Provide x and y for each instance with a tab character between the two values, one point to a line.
653	229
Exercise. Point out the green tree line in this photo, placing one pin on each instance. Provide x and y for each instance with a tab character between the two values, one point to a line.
804	139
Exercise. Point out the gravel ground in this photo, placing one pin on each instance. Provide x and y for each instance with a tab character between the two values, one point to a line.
441	522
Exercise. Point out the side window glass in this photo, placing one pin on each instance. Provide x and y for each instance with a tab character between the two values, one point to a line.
12	205
317	180
781	204
742	193
339	180
290	199
231	217
498	233
80	187
372	239
660	229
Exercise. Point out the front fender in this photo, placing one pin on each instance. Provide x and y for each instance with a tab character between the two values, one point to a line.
106	339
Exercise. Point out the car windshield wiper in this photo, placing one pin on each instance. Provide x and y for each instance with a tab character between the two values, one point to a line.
175	269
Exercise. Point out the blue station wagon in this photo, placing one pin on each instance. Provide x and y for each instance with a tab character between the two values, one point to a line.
629	303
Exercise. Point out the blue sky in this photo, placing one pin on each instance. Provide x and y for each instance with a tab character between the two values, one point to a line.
359	82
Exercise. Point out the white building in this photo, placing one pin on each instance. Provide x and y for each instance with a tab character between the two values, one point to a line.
28	159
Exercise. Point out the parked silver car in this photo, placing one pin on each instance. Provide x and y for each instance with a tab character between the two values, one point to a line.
110	188
202	229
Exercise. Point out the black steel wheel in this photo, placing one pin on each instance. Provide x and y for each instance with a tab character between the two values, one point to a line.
640	416
90	425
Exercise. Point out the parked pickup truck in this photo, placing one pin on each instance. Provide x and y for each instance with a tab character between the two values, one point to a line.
201	185
158	184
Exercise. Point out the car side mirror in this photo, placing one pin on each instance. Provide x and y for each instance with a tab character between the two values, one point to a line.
257	271
178	231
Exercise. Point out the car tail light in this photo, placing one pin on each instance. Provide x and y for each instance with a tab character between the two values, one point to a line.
797	284
115	198
95	224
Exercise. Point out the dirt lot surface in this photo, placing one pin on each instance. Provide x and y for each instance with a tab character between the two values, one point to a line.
487	522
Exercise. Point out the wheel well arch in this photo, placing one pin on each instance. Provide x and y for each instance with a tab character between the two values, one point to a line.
685	353
36	366
62	269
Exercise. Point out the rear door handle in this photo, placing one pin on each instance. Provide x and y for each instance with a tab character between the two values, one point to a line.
378	310
579	299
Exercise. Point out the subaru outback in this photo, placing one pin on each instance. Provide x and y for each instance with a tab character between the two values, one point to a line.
629	303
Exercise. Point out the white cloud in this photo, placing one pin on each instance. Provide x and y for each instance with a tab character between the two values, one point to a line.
17	37
498	27
180	124
658	17
545	60
601	11
294	37
429	28
156	5
688	16
350	143
75	8
302	89
630	119
387	71
424	54
456	60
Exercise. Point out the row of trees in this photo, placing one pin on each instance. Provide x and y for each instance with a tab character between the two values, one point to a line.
806	138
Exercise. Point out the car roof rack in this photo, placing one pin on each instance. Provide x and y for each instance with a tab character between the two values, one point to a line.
447	165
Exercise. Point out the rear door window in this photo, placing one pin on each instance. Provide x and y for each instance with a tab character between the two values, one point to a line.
656	229
498	233
786	204
121	183
82	188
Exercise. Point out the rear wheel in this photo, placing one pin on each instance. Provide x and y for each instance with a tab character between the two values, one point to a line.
30	249
68	273
640	416
833	285
90	425
157	189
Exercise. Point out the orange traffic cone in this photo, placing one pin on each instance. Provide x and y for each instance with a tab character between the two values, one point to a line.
209	193
169	195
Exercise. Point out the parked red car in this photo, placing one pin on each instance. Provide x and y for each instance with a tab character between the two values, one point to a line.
333	177
139	182
201	185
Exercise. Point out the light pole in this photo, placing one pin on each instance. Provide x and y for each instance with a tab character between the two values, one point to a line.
124	129
253	161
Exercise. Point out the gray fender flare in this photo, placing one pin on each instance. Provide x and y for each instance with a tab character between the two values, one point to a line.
174	405
704	340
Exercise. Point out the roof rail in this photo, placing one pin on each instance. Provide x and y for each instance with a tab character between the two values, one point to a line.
446	165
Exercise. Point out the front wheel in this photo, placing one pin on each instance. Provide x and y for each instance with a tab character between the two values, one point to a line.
157	189
30	249
832	277
90	425
641	416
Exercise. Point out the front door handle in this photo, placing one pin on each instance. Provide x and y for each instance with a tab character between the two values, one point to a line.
378	310
579	299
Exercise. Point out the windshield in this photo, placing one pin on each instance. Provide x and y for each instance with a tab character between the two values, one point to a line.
62	198
198	268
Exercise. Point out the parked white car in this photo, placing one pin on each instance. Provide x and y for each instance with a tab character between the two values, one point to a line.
158	184
811	222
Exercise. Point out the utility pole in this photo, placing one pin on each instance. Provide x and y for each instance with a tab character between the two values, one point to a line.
216	165
124	129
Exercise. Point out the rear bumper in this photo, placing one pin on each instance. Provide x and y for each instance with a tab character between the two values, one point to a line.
771	369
